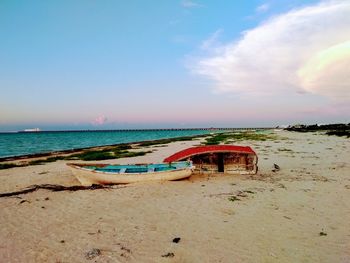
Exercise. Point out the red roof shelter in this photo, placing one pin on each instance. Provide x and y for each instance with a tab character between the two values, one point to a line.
219	159
208	149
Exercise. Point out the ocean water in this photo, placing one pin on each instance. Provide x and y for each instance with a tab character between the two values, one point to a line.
16	144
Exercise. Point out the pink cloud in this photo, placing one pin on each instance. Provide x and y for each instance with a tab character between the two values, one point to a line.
100	120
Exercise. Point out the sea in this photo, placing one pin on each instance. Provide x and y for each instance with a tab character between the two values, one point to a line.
25	143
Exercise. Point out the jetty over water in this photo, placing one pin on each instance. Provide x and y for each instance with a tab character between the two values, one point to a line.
160	129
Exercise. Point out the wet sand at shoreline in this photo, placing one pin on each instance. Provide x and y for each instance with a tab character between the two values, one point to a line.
298	214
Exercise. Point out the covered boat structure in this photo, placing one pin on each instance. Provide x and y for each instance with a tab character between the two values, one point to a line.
229	159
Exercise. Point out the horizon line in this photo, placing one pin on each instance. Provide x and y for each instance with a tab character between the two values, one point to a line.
147	129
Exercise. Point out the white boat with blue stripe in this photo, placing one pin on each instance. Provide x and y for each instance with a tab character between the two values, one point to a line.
89	174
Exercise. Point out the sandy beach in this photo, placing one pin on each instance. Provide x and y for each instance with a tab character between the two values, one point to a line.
298	214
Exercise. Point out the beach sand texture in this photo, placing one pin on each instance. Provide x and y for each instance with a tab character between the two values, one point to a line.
298	214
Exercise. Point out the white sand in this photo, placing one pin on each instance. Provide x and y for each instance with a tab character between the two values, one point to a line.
280	221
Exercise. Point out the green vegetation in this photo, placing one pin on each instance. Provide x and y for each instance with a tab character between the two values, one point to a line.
106	154
121	152
8	165
339	133
228	137
340	129
123	147
132	154
92	156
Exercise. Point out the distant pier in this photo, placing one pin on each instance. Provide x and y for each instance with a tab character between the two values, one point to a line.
161	129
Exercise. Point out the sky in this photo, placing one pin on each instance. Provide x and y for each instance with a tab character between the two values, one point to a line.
162	64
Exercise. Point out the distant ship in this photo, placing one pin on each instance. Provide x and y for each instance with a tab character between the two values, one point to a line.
31	130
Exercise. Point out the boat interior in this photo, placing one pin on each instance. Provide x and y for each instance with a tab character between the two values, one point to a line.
136	168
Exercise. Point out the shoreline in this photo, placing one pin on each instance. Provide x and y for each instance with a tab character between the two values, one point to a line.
99	147
327	131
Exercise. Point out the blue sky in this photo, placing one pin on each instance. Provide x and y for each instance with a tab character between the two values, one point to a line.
139	64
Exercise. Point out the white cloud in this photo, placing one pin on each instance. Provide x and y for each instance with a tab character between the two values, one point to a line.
212	41
304	50
190	4
262	8
100	120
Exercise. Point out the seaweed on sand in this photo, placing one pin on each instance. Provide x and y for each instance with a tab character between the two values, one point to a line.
47	160
284	150
8	165
234	136
233	198
107	154
93	155
55	188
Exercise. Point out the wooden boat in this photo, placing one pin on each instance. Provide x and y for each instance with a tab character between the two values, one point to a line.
229	159
89	174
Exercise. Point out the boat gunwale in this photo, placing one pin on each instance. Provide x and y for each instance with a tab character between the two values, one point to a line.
79	166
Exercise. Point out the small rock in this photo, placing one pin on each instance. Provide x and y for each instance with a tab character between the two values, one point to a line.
47	198
282	186
323	233
62	241
176	240
95	252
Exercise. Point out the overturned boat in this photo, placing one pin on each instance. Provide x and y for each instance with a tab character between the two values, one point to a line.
229	159
89	174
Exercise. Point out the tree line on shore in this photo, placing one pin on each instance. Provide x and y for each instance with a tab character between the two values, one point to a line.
338	129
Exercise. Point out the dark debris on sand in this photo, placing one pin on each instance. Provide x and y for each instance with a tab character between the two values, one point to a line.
91	254
55	188
168	255
176	239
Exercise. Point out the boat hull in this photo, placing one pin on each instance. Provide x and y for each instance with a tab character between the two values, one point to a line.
230	159
89	177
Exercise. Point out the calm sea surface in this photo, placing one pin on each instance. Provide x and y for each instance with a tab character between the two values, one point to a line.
14	144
